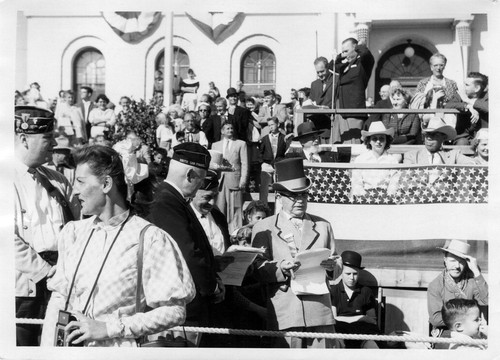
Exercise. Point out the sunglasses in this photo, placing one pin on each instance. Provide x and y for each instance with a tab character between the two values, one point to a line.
295	196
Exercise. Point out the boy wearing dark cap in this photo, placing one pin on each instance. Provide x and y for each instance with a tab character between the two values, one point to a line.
353	304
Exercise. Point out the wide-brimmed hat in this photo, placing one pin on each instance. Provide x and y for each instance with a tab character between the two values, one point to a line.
437	124
457	247
231	91
290	176
306	129
377	128
351	259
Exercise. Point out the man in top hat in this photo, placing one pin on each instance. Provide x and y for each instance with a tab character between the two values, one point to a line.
461	278
171	212
353	305
435	134
308	137
284	235
237	115
232	182
43	204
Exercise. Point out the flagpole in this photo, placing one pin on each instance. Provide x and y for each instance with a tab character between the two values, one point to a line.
167	69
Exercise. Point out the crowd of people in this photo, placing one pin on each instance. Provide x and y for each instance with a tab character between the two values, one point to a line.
126	232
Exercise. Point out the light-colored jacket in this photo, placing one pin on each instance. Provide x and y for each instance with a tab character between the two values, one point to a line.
287	309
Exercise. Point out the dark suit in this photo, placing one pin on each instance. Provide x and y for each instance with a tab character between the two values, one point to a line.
171	213
381	104
212	127
266	149
465	129
88	125
326	156
353	79
320	96
240	119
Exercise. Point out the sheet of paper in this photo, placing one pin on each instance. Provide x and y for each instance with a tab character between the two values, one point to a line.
234	273
310	277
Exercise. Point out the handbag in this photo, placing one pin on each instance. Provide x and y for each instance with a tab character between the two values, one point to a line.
162	341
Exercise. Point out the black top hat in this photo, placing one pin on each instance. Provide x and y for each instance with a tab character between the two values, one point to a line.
33	120
351	259
192	154
306	129
231	92
211	180
290	176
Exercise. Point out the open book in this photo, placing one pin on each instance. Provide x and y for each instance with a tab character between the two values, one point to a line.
242	256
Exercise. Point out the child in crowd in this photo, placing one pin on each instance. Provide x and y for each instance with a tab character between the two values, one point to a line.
353	305
254	212
158	168
463	319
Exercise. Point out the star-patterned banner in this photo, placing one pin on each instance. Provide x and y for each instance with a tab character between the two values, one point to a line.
415	185
401	202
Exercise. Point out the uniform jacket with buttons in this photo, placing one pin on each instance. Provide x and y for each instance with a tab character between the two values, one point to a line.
30	267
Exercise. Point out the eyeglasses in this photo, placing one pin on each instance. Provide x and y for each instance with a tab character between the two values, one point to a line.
202	110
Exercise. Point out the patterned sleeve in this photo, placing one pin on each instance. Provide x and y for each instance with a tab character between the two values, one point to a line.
168	288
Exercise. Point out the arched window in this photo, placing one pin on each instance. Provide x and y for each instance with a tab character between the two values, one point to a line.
394	65
258	70
89	69
180	66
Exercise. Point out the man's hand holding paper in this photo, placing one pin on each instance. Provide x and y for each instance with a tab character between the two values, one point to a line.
310	278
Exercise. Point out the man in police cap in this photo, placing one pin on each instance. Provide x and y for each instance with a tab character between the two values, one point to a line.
172	212
43	204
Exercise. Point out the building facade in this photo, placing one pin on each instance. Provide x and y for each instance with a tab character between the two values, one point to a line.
264	50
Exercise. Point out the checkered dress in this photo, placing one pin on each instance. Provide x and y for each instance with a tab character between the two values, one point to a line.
167	282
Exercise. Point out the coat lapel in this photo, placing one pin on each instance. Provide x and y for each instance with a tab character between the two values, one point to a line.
308	232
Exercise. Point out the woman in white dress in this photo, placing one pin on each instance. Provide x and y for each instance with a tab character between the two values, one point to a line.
189	87
101	118
377	139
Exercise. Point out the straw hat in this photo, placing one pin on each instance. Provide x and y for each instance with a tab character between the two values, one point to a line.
377	128
457	247
437	124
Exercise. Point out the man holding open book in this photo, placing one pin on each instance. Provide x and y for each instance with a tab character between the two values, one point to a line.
285	235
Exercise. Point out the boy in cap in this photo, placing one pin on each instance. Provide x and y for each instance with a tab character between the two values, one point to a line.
43	204
283	235
353	305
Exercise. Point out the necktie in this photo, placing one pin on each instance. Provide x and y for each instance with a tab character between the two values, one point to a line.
53	192
190	137
271	111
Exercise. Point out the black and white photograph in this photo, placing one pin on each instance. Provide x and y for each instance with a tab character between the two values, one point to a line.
242	179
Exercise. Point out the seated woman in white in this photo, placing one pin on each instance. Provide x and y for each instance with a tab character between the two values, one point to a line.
377	140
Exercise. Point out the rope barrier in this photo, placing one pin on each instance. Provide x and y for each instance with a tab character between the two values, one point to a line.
301	334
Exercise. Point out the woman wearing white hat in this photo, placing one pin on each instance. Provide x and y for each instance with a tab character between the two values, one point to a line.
480	147
377	140
460	279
